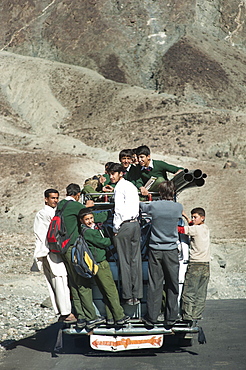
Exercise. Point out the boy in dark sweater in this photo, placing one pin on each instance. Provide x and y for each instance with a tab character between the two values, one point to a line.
152	168
104	279
132	173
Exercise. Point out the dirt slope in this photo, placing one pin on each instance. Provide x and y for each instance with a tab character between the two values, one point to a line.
82	80
43	143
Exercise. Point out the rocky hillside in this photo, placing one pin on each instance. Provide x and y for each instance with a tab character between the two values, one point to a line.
82	80
192	52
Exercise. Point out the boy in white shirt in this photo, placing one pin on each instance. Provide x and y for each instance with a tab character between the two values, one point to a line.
54	269
127	235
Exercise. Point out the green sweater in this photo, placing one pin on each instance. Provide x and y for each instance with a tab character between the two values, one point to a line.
134	176
160	169
96	242
70	214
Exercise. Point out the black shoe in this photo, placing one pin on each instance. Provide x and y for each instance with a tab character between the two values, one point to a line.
136	301
160	318
123	321
147	322
93	323
170	322
194	323
81	323
110	322
188	322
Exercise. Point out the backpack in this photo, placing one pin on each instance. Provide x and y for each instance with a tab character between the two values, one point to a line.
82	258
93	182
57	237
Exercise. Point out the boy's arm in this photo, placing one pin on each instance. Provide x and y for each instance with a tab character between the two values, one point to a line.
191	230
171	168
143	190
100	216
95	238
186	217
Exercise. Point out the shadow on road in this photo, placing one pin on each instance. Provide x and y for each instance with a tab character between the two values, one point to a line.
44	340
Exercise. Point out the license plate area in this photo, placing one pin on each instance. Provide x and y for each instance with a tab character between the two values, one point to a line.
123	343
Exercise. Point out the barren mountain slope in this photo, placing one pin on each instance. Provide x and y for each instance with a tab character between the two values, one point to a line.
37	153
123	40
167	74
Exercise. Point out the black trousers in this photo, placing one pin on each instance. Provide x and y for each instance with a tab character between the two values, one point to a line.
163	269
127	243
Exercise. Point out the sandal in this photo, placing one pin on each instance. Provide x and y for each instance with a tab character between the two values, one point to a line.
68	318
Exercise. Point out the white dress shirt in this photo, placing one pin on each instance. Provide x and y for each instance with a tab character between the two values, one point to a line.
41	225
149	166
126	203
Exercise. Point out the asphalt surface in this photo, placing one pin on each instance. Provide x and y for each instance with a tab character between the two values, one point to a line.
224	326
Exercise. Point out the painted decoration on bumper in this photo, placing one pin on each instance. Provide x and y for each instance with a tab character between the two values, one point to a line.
118	343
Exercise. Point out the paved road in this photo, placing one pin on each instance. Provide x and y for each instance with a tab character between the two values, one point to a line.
224	325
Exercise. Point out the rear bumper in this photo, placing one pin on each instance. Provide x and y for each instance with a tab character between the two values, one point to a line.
132	329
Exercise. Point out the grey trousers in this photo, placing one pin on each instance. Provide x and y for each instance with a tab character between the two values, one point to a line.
163	269
195	290
127	243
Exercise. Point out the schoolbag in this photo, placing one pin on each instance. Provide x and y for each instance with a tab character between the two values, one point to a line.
82	259
93	182
57	236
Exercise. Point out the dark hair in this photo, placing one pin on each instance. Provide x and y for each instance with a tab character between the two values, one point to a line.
116	167
125	153
167	190
84	212
107	165
73	189
49	191
200	211
134	150
143	149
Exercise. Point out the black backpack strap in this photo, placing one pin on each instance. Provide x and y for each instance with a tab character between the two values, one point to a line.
62	209
83	230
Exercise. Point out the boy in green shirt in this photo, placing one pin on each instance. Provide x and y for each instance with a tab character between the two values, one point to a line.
79	286
104	278
152	168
